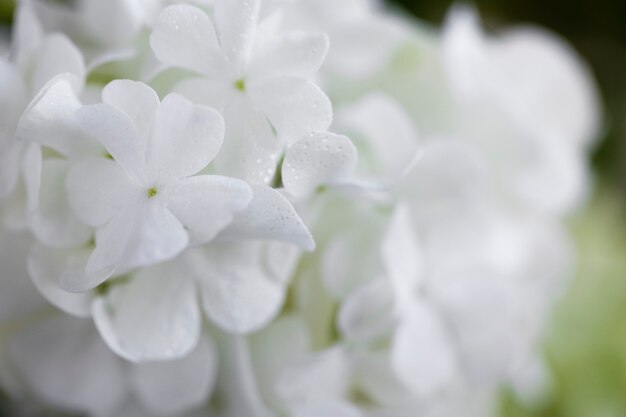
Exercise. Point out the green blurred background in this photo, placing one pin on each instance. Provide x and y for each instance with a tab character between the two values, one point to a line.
586	343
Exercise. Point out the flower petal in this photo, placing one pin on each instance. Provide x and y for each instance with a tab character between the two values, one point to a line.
236	22
367	312
9	168
41	354
97	189
270	216
184	36
298	54
49	119
294	106
319	158
153	317
402	257
137	100
174	387
422	354
116	131
383	133
46	266
206	204
156	236
57	55
213	93
185	138
238	293
53	222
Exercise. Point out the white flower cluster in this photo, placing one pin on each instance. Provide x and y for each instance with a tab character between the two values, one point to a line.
226	209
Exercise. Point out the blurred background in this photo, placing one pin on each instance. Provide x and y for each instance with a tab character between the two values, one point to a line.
586	342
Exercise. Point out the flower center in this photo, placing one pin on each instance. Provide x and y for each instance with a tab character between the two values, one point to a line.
240	85
152	191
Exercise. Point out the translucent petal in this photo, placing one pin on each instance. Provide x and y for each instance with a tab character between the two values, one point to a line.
46	266
184	36
173	387
153	317
238	293
53	222
270	216
116	131
156	236
319	158
57	55
294	106
422	354
367	312
49	119
137	100
236	23
298	54
41	353
97	189
206	204
185	138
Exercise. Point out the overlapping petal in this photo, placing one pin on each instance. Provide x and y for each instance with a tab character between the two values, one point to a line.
318	158
154	316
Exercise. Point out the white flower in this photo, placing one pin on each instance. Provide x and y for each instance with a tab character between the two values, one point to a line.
257	78
145	202
528	100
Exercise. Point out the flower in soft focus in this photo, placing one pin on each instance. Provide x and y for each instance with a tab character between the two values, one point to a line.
282	208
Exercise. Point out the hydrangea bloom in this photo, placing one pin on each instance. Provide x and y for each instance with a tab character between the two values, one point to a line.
191	229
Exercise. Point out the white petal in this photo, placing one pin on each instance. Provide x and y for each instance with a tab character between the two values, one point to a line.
57	55
294	106
153	317
402	257
112	241
156	236
422	353
12	100
238	293
367	312
236	22
270	216
46	266
54	223
184	36
27	34
319	158
185	138
213	93
250	150
116	131
278	346
137	100
237	385
173	387
206	204
49	119
298	54
98	189
383	133
9	168
93	379
31	174
322	376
